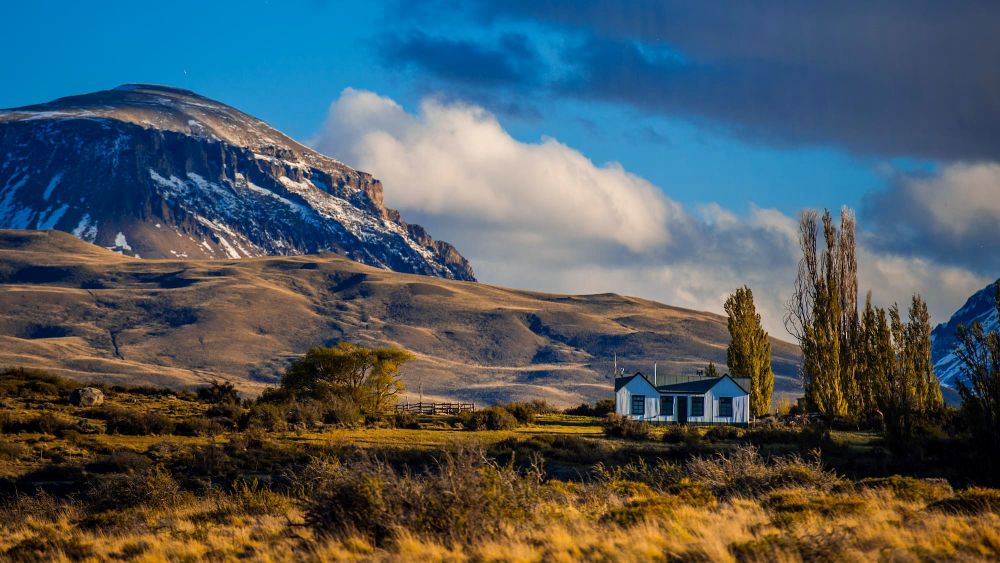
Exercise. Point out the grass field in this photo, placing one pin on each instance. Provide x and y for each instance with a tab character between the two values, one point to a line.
557	489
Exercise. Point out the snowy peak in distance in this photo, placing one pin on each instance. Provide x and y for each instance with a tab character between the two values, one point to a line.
161	172
979	308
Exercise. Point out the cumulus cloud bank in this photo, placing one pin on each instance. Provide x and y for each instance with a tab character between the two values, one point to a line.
951	216
543	216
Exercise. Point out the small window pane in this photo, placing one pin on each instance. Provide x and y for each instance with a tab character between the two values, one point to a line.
667	406
638	404
697	406
725	407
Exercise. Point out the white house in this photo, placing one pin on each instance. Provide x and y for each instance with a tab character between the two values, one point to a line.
714	400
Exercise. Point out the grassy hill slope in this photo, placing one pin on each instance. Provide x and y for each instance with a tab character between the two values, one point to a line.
79	310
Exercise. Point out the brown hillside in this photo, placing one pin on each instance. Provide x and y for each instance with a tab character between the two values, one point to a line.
77	309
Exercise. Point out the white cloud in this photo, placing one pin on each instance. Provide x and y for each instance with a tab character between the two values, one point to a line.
543	216
949	216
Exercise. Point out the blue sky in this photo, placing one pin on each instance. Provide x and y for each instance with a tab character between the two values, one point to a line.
286	61
736	116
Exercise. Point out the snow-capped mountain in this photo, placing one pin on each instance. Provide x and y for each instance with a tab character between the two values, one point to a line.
979	308
160	172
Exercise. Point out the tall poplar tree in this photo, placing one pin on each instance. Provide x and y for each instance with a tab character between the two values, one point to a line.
749	352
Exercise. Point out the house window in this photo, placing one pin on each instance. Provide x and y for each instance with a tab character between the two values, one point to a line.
667	406
697	406
639	405
725	407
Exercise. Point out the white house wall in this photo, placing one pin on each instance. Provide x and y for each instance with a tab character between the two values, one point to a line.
638	386
726	387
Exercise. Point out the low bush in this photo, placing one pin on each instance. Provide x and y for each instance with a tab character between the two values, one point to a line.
682	434
724	433
811	435
405	420
218	393
252	498
269	417
974	500
910	488
341	411
659	476
490	418
35	384
150	487
616	426
463	498
639	510
599	409
54	424
200	426
745	473
134	423
524	412
13	450
789	507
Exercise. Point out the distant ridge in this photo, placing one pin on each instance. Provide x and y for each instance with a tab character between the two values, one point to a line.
80	310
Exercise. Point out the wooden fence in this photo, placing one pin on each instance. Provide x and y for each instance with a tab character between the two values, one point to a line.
435	408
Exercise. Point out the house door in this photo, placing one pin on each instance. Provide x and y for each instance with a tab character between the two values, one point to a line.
682	409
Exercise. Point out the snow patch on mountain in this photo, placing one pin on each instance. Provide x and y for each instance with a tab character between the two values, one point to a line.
144	161
980	308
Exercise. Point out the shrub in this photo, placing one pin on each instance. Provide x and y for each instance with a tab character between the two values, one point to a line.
405	420
47	545
660	476
974	500
910	488
813	435
33	383
541	406
789	507
601	408
251	498
133	423
13	450
219	393
523	412
230	412
198	426
745	473
119	462
491	418
640	510
682	434
54	424
269	417
152	487
342	410
40	506
616	426
462	498
723	433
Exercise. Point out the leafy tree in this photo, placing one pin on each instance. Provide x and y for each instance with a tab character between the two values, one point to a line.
366	377
749	352
711	371
822	314
979	352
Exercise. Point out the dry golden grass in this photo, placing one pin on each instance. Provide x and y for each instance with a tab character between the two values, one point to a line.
882	528
190	322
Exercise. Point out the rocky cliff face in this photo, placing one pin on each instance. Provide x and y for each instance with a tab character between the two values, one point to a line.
159	172
979	308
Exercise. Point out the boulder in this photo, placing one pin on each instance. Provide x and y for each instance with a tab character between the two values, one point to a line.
87	397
